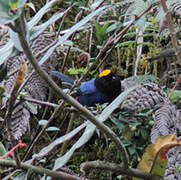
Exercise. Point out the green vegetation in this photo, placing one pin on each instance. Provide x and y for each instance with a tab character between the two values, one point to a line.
83	38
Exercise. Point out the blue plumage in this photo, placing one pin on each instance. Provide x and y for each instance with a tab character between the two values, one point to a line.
88	87
94	98
63	77
88	94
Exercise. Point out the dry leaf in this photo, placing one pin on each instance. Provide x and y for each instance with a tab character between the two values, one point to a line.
154	159
21	74
166	142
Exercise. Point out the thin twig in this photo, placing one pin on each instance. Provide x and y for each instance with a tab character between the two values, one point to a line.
39	102
70	126
29	149
68	51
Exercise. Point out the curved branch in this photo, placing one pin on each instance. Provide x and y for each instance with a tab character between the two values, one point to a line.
85	112
118	169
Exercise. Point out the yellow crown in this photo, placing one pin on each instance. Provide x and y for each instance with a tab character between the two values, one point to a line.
105	72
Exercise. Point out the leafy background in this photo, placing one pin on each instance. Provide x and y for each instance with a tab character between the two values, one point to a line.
80	31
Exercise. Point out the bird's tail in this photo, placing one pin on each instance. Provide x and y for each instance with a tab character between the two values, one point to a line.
62	77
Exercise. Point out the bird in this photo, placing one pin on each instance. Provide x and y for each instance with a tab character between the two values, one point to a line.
102	89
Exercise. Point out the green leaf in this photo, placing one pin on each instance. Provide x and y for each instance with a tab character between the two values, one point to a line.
52	128
119	124
101	31
127	133
42	122
40	14
144	134
141	23
113	27
14	4
175	96
2	149
6	51
10	10
15	39
2	90
178	168
127	43
75	71
32	107
131	150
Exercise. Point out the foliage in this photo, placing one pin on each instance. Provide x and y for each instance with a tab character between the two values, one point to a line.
175	95
10	10
97	29
101	32
75	71
154	159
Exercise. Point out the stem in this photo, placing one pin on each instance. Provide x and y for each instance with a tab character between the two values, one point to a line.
57	110
70	126
44	103
40	170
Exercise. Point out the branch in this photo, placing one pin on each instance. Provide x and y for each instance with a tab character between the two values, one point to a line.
171	29
44	103
118	169
40	170
21	33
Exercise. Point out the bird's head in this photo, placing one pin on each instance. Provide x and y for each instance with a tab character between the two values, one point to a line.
108	83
